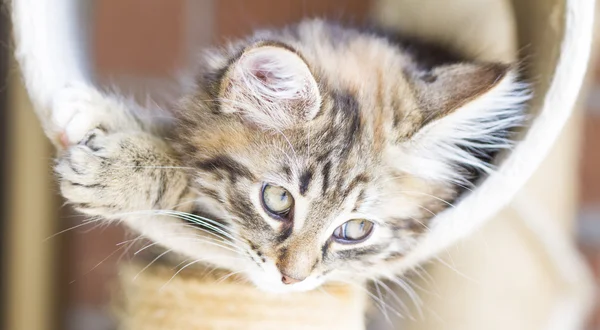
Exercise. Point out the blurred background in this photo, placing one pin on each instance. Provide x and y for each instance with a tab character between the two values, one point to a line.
56	273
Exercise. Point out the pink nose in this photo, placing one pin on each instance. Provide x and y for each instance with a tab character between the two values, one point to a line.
289	280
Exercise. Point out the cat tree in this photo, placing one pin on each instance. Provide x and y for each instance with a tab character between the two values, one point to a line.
49	51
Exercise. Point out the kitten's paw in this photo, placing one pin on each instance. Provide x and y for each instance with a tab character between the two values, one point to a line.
110	173
83	176
78	109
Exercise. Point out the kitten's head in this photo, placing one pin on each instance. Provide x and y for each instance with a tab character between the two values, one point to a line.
326	152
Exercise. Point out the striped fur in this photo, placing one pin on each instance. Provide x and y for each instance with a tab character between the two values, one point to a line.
353	124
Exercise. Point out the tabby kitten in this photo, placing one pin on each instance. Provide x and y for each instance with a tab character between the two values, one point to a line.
301	155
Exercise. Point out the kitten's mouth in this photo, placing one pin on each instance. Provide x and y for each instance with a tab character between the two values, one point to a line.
271	282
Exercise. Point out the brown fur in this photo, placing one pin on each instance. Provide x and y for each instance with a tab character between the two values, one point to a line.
338	162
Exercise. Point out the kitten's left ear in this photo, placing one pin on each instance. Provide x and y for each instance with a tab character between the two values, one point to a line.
272	86
446	88
462	115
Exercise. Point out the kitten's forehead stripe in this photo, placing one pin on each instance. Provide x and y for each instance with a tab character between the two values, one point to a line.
325	173
359	200
305	181
347	111
324	156
287	171
355	183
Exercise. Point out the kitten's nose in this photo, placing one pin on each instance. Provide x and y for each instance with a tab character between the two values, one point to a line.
290	280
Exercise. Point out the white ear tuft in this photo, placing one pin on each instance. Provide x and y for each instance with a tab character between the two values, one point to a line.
445	145
272	86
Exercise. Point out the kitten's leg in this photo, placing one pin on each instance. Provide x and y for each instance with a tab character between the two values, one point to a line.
111	165
129	176
118	171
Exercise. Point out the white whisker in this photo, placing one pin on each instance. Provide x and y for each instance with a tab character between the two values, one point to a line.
223	278
429	195
440	260
150	264
177	273
379	302
99	263
155	167
85	223
384	311
411	293
397	299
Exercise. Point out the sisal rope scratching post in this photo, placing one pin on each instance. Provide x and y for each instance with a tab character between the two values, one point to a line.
160	298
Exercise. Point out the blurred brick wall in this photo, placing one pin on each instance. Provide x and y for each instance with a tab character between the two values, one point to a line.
590	165
589	216
138	37
589	211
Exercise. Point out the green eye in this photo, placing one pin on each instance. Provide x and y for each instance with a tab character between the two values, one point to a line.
353	231
277	201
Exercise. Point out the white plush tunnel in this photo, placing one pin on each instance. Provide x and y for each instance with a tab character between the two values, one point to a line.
554	37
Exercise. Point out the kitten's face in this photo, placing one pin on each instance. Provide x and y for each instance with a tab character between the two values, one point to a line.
311	203
317	178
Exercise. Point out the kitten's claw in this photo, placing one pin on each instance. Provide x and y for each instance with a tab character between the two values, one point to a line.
90	139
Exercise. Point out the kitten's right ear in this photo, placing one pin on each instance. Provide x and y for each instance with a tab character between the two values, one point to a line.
271	86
